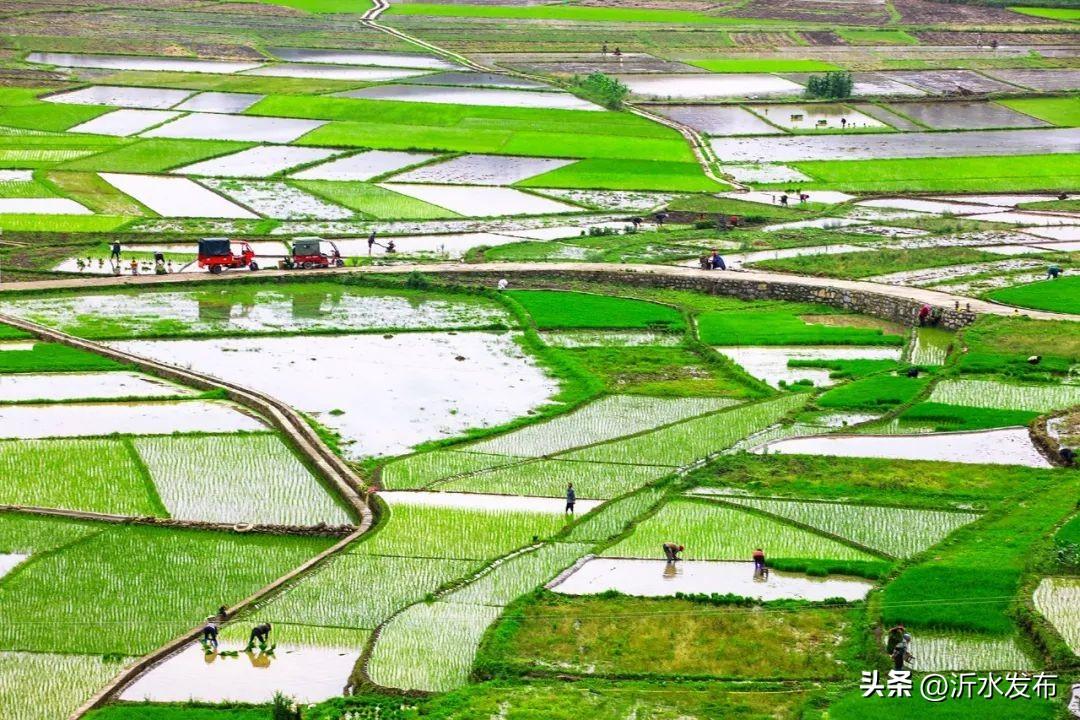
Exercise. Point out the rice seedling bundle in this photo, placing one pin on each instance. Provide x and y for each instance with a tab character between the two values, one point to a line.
992	394
430	646
253	479
955	653
129	589
44	686
74	474
682	444
607	418
362	591
519	574
1058	599
714	532
417	471
456	533
900	532
612	518
548	478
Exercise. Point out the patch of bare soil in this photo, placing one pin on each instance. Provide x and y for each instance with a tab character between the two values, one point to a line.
762	39
922	12
847	13
987	38
693	5
822	37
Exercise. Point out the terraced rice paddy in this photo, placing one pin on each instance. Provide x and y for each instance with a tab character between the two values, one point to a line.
83	420
990	394
1058	600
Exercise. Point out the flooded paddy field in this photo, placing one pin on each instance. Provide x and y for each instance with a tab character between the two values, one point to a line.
966	115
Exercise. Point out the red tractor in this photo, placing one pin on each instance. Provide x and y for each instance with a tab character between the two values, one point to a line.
216	254
314	253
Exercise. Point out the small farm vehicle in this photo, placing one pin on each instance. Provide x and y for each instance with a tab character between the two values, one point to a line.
313	253
217	254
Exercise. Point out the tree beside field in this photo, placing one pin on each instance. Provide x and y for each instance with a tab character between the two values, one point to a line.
601	89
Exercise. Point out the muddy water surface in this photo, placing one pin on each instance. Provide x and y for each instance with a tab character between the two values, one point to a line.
71	386
656	578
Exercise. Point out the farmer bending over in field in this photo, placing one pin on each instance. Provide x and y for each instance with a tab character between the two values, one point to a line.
672	550
260	633
210	633
759	562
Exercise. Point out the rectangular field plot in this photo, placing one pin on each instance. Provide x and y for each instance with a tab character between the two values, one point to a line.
73	386
481	502
991	394
88	475
549	478
718	119
996	447
478	79
168	575
867	525
420	470
966	115
363	166
1058	599
702	86
711	531
41	206
176	197
122	123
774	364
211	126
362	591
309	674
256	162
613	518
354	57
220	102
317	71
45	686
474	96
606	419
253	479
481	170
430	646
941	82
136	62
958	653
816	117
74	420
472	201
375	201
125	97
459	534
517	575
276	199
685	442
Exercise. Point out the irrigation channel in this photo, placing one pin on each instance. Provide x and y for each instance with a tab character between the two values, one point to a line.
282	417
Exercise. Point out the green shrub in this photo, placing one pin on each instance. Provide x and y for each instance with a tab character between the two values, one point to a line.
831	85
601	89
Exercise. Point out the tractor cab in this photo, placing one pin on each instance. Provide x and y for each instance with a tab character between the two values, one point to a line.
217	254
313	252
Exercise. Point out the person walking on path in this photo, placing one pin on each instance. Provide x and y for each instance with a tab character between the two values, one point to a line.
115	251
370	242
261	633
571	497
210	633
672	550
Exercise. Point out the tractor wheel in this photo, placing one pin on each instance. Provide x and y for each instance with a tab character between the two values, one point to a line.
306	266
215	269
253	265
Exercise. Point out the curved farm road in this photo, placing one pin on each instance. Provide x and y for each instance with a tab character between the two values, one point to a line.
286	420
605	271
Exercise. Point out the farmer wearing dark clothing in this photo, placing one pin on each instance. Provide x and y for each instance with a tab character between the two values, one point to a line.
210	633
717	262
260	633
370	242
897	646
660	217
759	561
115	254
899	655
571	496
671	551
1052	272
1068	456
783	199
